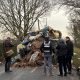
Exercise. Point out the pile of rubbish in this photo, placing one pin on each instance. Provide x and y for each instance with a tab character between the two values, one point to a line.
32	58
28	51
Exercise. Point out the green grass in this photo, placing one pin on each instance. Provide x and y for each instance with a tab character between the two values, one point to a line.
76	61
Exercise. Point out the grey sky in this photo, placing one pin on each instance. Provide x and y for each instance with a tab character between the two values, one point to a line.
57	20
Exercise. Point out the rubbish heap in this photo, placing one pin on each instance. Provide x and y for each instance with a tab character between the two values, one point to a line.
31	48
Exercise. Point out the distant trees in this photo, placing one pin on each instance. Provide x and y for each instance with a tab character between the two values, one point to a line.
74	17
75	28
70	3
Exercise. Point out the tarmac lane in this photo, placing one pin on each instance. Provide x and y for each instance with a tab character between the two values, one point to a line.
34	73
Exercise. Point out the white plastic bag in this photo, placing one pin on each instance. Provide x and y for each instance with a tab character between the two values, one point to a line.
34	56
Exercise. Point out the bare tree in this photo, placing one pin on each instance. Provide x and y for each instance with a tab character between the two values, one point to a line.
73	8
19	16
70	3
74	28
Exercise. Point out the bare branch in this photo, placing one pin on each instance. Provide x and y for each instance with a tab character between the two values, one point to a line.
19	16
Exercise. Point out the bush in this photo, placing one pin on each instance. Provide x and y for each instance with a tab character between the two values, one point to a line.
76	61
1	49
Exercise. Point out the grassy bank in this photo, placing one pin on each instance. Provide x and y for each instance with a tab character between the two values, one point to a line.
76	60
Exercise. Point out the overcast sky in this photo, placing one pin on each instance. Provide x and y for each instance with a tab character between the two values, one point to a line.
58	20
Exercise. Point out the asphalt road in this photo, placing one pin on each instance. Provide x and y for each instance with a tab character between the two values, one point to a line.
33	74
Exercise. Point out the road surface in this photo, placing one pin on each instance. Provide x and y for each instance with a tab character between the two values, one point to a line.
33	74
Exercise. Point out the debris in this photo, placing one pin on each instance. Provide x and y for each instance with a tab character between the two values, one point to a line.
78	58
20	46
75	53
30	60
32	44
34	56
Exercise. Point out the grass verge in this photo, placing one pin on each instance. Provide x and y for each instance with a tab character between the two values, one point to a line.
76	58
